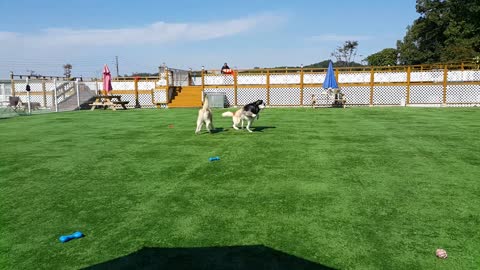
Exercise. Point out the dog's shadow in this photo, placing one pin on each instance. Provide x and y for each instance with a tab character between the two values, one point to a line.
217	130
262	128
254	129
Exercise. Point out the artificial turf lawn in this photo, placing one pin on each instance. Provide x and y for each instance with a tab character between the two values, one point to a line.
355	188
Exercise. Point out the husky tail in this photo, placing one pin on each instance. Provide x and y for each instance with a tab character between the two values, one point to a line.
227	114
205	102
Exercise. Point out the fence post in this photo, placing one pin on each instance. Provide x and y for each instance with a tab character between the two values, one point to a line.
203	78
77	88
28	95
190	77
55	94
167	79
409	70
445	79
135	85
301	85
235	86
336	76
268	87
372	81
44	91
96	87
12	83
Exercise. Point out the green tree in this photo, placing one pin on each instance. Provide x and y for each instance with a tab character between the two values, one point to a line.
385	57
346	54
446	30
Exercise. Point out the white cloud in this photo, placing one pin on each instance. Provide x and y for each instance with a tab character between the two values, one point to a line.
155	33
338	38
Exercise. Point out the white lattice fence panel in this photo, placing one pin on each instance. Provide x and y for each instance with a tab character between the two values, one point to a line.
464	76
146	85
426	94
160	96
426	76
49	100
130	98
357	95
20	87
197	81
249	95
34	97
229	94
50	85
36	91
223	79
389	95
93	86
387	77
251	79
162	81
313	78
145	100
122	85
353	77
284	96
463	94
319	94
36	86
285	78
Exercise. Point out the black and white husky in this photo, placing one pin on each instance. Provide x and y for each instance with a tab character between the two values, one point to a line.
248	113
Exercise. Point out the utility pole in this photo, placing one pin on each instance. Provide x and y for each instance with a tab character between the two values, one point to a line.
116	63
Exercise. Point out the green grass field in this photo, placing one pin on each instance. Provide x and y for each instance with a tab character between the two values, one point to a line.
355	188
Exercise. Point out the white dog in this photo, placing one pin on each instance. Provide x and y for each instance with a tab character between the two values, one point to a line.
204	116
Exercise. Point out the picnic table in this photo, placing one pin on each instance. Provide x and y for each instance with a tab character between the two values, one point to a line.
107	101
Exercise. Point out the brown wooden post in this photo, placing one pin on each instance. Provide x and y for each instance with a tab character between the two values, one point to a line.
153	96
203	78
12	83
190	77
445	80
235	87
301	85
372	81
268	87
336	77
44	90
135	83
409	70
167	79
167	82
153	91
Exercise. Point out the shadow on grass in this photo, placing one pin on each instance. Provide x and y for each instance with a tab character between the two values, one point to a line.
210	258
217	130
261	128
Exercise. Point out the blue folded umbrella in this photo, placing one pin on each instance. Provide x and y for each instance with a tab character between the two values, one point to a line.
330	81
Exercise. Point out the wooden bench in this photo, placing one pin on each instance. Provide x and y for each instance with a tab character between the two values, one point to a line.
121	103
108	102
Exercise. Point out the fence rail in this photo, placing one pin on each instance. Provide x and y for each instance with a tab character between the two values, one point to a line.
428	85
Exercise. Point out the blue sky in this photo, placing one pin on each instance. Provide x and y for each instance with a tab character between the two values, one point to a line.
44	35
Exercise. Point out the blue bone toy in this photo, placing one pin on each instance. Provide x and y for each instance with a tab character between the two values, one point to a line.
214	158
66	238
